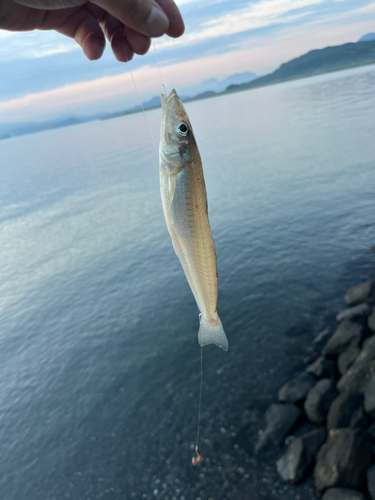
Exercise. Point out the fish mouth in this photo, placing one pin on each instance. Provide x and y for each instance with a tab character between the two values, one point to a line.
172	95
165	100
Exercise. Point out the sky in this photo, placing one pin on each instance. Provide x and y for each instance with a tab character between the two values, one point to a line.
44	75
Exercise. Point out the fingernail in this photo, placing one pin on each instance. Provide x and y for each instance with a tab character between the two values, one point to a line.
157	22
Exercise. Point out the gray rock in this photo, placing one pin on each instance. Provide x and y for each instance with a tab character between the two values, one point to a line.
296	389
342	494
359	419
322	336
371	321
360	293
346	359
369	403
342	409
347	334
371	481
279	420
359	311
322	368
343	460
371	432
319	399
358	375
299	457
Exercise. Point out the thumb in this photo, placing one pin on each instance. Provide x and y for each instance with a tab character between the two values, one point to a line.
143	16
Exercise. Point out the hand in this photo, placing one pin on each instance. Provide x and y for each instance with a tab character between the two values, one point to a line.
128	25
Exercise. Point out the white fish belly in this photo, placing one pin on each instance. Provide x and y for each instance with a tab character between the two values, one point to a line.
185	210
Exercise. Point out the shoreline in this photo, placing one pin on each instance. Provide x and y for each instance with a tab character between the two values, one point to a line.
235	91
197	98
322	428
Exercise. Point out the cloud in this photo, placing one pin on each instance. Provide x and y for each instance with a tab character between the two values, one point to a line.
217	56
117	92
231	21
34	44
253	16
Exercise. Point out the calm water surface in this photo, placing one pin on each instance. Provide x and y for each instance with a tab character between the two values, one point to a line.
99	361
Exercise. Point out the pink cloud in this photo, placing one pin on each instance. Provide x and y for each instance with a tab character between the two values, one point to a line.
115	93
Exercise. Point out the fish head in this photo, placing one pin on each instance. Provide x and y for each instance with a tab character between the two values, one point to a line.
177	142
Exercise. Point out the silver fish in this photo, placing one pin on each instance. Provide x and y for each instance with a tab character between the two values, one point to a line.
183	194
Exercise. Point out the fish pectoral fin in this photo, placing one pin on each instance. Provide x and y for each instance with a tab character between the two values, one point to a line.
172	181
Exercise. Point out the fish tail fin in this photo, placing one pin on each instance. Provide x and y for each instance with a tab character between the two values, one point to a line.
212	334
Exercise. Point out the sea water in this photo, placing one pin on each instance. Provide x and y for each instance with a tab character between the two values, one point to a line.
99	360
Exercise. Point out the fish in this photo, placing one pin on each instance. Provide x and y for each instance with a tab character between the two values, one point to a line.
184	200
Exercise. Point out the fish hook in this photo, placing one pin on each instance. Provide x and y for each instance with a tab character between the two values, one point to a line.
196	460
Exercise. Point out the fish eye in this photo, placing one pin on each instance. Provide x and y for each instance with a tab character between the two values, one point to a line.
182	129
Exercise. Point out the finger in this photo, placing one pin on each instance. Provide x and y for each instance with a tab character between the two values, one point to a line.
140	44
84	28
124	49
113	30
108	24
176	23
15	17
51	4
120	46
143	16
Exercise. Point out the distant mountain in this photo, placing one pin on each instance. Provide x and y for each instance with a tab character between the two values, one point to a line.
215	85
204	89
8	130
367	38
315	62
208	93
154	102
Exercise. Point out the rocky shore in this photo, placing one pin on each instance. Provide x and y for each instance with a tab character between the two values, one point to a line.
324	422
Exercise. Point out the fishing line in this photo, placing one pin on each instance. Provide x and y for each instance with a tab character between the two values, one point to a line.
158	65
198	458
143	111
195	460
144	114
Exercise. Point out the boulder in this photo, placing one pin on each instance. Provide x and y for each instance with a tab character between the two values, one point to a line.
296	389
319	399
342	409
369	403
371	432
346	359
342	494
359	419
371	321
358	375
279	420
360	293
371	481
322	368
347	334
361	311
295	463
343	460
